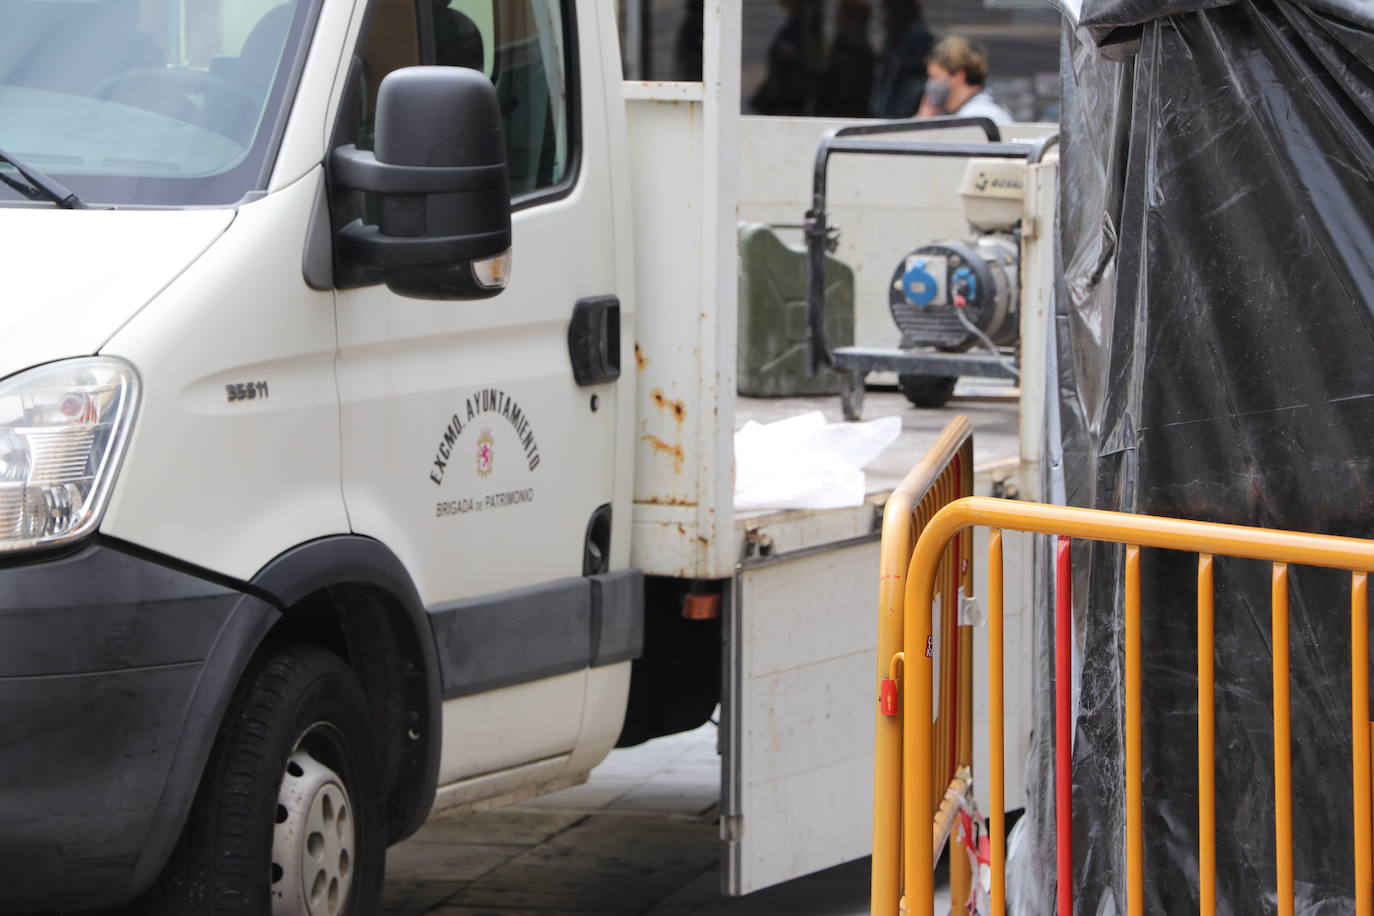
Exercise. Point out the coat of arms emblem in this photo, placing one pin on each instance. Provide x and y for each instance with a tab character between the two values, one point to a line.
484	453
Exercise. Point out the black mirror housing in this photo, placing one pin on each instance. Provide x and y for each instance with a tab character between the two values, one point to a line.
440	176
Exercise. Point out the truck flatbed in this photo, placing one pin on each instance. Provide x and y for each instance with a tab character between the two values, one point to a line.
993	408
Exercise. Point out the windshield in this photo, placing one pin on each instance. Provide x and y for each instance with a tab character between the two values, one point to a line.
147	102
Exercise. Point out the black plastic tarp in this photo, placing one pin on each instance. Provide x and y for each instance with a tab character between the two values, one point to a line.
1215	360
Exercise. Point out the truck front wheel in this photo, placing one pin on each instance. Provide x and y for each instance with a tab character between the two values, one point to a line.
288	817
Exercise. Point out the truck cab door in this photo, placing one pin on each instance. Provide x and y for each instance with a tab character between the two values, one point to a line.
479	437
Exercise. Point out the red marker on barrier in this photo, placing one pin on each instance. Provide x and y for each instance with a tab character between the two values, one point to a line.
887	696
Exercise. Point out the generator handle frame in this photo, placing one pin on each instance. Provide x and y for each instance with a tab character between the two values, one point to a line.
865	139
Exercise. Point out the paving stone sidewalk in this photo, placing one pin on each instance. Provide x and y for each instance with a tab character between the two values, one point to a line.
640	837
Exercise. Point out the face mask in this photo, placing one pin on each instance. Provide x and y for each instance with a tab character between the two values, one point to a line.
937	93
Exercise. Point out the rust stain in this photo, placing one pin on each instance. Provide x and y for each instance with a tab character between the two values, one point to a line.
640	359
665	501
704	541
663	448
679	408
682	529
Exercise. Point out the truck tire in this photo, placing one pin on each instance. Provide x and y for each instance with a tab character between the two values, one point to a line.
927	390
288	819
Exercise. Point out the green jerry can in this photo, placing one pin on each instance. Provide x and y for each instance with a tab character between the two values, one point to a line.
772	315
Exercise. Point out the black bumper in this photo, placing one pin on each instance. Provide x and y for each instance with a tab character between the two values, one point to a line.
114	672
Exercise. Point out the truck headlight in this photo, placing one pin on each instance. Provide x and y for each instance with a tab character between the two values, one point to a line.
63	427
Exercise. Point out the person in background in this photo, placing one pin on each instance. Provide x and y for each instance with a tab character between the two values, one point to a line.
901	74
956	72
786	89
848	82
687	50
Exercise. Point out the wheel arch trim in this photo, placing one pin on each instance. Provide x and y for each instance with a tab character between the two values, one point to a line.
354	560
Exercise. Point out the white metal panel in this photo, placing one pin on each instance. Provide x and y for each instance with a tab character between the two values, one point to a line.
229	485
497	719
799	765
503	728
685	401
603	714
1037	310
683	171
73	278
665	141
799	726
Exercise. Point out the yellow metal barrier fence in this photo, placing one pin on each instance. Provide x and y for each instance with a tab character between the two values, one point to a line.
919	765
943	475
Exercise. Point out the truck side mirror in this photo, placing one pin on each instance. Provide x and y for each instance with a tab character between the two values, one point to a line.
442	187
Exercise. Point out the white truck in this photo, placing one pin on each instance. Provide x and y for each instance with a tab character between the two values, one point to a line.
366	416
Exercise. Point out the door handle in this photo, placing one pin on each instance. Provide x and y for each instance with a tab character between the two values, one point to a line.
594	340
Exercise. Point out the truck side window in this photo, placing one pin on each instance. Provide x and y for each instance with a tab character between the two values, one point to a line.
521	45
392	42
531	78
